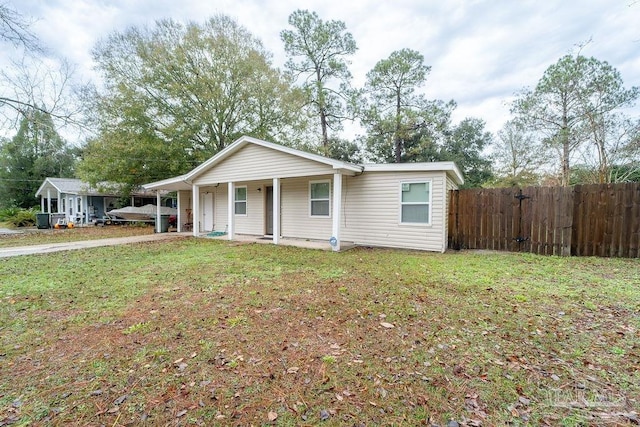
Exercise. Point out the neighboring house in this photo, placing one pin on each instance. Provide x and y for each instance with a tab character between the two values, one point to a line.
260	188
76	201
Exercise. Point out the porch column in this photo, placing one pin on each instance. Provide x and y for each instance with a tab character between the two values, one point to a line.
41	203
195	215
231	210
179	218
48	200
59	203
276	211
337	209
80	214
158	222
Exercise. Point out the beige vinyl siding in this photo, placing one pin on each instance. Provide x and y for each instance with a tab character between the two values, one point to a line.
251	223
254	162
220	218
185	203
297	221
371	211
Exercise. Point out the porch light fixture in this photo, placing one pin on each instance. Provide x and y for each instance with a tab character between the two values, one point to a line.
259	189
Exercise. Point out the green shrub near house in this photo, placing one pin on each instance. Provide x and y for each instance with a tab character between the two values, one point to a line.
18	217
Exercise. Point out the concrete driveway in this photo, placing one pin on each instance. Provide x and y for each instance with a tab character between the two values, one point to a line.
84	244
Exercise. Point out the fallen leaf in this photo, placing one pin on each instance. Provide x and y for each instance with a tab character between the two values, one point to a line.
181	413
386	325
293	370
272	416
324	415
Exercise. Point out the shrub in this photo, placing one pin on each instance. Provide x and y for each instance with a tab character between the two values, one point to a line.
7	213
19	217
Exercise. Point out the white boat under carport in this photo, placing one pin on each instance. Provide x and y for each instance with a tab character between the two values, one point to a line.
141	213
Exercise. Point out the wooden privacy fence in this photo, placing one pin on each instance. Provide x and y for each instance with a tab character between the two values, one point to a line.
584	220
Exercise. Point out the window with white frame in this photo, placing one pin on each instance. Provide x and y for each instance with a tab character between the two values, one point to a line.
240	200
415	202
320	198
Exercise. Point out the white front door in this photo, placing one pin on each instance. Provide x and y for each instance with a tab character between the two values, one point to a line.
206	208
70	211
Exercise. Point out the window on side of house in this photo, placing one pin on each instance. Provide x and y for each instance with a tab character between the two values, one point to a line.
240	200
415	202
320	198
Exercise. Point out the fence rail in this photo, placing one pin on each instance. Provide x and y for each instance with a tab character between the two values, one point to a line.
584	220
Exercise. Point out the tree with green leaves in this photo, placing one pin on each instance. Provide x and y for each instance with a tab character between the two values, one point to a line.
465	145
394	108
36	152
318	52
570	104
175	95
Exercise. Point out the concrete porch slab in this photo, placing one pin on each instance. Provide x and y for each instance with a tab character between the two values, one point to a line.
300	243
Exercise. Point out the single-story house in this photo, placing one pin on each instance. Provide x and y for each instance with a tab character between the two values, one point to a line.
259	188
76	201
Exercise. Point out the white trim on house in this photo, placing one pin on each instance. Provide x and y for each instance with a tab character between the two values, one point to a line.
334	241
276	210
195	214
231	207
170	184
449	167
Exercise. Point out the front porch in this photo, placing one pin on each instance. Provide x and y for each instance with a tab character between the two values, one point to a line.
256	188
298	243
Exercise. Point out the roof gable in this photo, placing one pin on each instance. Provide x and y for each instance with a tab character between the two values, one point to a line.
63	185
245	140
76	187
273	163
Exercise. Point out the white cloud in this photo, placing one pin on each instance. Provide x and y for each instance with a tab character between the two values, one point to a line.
481	51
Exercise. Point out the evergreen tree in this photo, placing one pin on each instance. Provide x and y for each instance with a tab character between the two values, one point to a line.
36	151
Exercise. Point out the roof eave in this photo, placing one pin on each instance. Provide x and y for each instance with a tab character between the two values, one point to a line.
176	183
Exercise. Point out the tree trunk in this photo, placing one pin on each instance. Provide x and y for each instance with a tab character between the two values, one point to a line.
322	108
566	148
397	143
323	125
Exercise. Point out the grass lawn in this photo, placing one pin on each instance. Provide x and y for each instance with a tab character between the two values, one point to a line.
38	237
204	332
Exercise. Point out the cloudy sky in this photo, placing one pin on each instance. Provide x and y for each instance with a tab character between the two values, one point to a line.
480	51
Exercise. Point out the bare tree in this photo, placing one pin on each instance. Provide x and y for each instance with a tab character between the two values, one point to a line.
14	28
35	83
